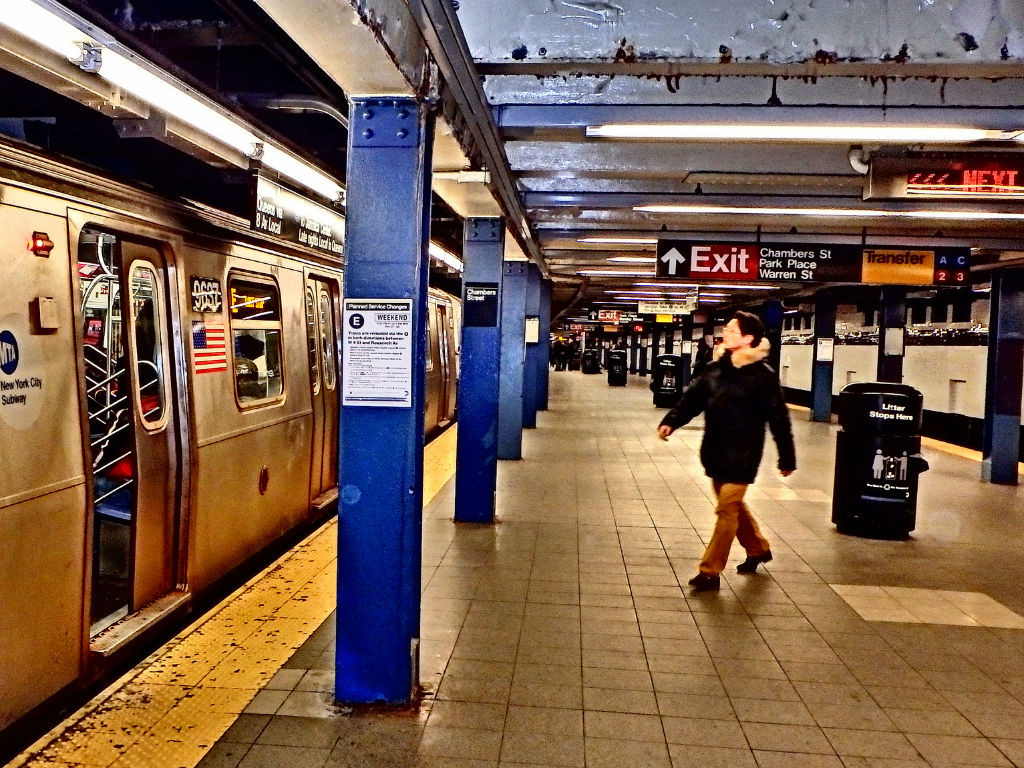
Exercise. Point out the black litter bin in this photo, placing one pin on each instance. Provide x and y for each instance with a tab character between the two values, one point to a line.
616	362
591	361
878	460
668	380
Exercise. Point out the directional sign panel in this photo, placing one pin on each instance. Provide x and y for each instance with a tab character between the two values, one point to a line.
812	262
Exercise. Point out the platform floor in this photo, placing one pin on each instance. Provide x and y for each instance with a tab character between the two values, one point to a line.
565	635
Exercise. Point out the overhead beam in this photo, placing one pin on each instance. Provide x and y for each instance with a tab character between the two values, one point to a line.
443	35
679	68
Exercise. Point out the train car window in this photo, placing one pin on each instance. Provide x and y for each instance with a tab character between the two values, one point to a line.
327	344
256	341
311	340
148	344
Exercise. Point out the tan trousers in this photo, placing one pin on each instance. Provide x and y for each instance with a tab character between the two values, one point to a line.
734	521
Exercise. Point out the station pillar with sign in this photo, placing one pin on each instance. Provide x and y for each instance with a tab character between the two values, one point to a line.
476	453
824	357
380	484
892	322
1003	380
513	357
531	370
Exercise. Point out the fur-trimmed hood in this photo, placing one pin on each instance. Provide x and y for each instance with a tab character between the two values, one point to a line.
746	355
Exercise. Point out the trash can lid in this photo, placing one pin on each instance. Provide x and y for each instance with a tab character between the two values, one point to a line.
879	388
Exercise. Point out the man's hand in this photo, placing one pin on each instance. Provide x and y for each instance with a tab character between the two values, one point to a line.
786	472
664	431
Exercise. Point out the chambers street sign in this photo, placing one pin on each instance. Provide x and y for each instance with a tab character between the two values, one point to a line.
812	262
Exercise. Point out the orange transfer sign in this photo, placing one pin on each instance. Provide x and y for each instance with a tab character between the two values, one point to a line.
898	266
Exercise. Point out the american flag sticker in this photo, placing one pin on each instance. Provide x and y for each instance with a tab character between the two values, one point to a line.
209	352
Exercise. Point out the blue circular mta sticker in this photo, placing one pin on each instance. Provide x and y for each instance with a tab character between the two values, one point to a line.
8	352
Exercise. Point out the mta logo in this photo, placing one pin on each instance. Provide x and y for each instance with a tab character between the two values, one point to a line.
8	352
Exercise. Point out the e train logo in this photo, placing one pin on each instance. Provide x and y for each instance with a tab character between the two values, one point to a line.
8	352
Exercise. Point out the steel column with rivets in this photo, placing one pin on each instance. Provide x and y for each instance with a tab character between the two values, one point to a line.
476	453
543	366
1004	377
381	450
531	372
513	359
892	326
824	354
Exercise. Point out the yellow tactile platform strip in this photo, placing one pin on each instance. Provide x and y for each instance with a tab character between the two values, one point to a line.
168	711
928	606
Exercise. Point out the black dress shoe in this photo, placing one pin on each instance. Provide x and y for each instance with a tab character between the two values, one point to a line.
704	581
750	564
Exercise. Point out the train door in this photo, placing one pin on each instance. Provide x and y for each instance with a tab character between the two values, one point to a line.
444	342
322	341
128	358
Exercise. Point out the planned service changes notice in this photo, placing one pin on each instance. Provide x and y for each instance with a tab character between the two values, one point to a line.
378	353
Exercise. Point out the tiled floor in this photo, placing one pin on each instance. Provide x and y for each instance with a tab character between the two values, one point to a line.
563	635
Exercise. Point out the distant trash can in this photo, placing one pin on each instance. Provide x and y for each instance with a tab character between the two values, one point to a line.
878	460
616	362
591	361
668	380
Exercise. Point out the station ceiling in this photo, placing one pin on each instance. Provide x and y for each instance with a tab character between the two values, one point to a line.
519	84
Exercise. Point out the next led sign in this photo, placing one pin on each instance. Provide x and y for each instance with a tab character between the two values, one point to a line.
942	175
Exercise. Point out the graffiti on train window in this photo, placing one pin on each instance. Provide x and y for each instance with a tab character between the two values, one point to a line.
256	341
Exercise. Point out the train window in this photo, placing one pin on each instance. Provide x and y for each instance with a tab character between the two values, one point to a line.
256	340
147	341
327	344
311	340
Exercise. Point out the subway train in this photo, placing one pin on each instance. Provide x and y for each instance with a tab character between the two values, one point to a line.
169	409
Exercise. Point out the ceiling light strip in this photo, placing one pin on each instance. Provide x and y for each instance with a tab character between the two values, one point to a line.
831	134
865	213
59	30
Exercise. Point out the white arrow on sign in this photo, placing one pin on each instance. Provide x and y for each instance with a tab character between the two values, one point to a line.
673	258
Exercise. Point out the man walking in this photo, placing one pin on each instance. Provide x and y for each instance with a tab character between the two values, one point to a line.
739	393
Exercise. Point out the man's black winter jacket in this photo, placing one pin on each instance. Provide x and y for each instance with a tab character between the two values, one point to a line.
739	393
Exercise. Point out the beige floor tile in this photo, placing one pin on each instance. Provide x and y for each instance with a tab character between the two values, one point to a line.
461	743
542	749
467	714
620	700
704	732
787	738
957	749
619	753
618	725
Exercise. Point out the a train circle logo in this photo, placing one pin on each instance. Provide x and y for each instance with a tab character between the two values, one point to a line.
357	321
8	352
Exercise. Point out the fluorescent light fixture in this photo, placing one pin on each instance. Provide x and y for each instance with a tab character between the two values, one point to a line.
831	134
865	213
668	285
615	272
620	240
634	259
44	27
444	256
65	33
704	294
742	287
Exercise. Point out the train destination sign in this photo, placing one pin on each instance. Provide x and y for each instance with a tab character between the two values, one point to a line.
813	263
974	175
278	211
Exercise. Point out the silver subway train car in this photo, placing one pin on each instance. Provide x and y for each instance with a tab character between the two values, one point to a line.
168	410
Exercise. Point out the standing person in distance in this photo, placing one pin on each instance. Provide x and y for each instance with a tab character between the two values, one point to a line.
739	394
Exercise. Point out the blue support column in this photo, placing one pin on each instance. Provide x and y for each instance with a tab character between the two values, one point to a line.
476	453
543	368
531	373
513	359
1004	378
381	451
892	326
824	355
772	319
